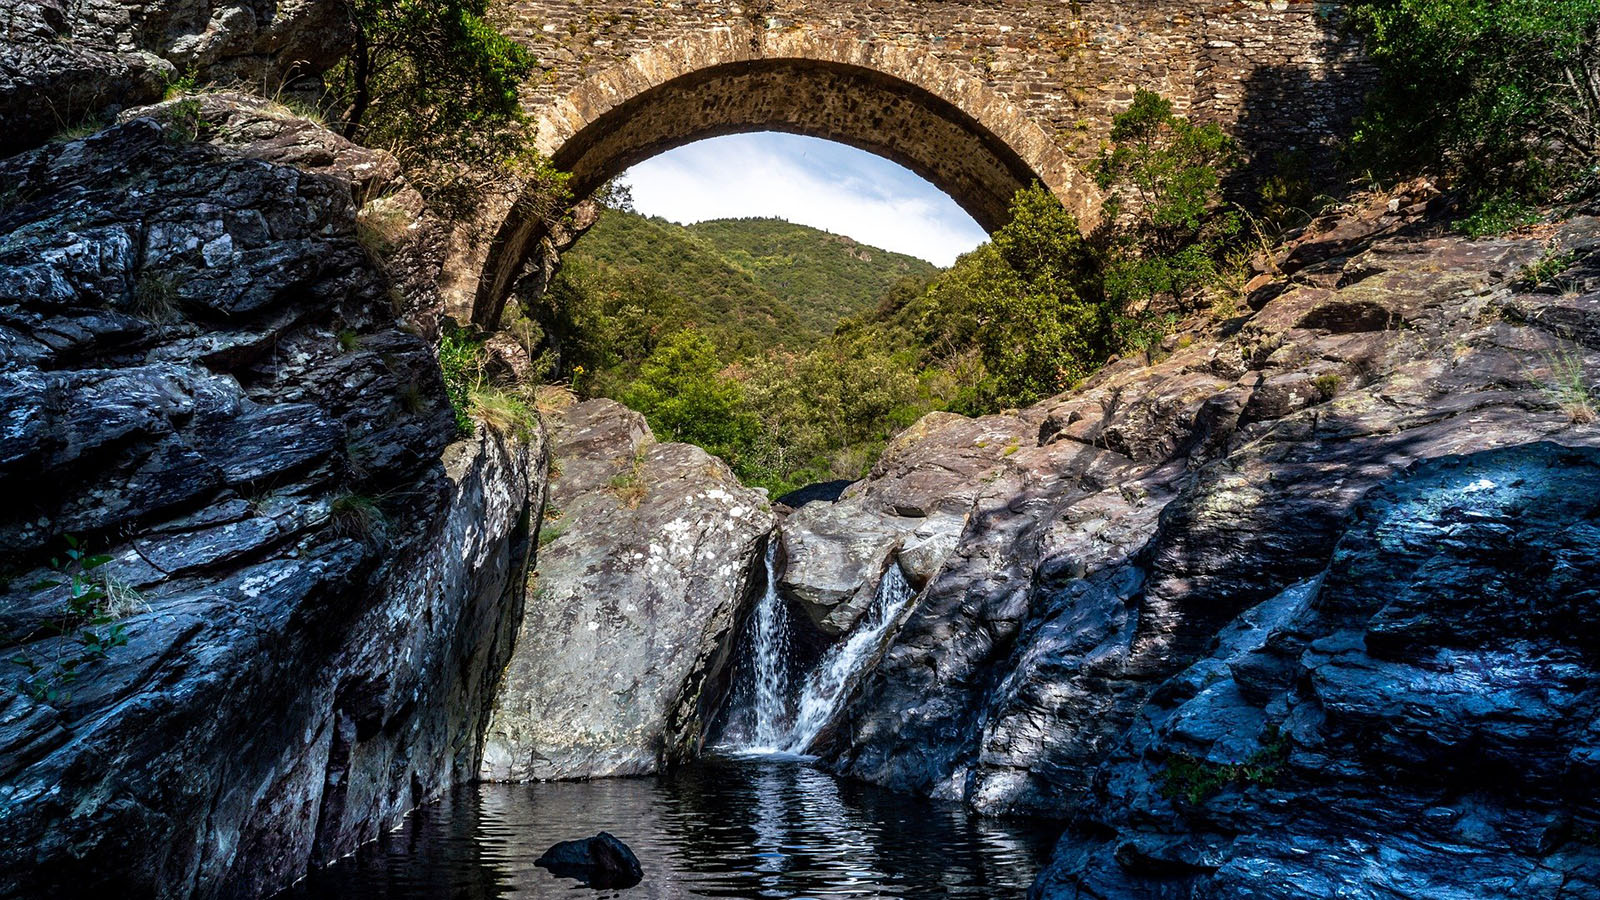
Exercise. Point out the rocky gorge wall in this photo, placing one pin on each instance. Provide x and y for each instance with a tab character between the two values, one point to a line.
1303	591
215	374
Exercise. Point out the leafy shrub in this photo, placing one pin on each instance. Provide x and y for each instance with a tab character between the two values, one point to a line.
1194	779
1501	94
681	391
461	360
1168	224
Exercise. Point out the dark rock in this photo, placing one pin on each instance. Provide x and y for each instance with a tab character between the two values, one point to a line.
821	492
599	862
206	380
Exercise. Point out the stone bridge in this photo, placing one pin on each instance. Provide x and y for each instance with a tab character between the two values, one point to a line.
981	97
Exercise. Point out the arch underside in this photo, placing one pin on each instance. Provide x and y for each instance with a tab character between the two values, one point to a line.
848	104
609	130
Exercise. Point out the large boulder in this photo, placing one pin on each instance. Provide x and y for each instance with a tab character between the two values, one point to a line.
911	512
598	862
310	581
647	551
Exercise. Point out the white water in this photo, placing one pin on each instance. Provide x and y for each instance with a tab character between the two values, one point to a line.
770	633
826	685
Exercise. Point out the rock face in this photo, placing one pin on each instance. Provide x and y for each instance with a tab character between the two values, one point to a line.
66	63
1133	529
204	379
647	551
1431	699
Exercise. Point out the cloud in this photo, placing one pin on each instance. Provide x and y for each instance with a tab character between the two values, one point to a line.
808	181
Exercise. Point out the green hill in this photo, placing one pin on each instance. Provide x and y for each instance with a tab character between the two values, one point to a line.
754	283
823	277
707	290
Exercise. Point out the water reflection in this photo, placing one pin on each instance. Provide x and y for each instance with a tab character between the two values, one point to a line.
733	828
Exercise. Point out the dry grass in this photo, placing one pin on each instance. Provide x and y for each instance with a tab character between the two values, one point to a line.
1569	386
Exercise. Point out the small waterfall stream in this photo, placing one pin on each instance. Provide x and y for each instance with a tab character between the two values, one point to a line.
770	655
783	724
827	684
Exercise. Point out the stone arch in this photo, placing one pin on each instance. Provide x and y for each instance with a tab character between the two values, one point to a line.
935	118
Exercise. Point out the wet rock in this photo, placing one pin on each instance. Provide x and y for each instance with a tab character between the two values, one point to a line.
205	380
648	550
599	862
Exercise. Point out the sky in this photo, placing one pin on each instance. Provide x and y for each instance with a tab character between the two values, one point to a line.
808	181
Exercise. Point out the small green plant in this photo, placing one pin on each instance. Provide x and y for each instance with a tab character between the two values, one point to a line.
412	399
185	124
1544	270
92	603
356	516
155	298
82	129
183	85
550	533
461	360
1327	385
1569	387
503	412
349	341
1194	779
1496	216
629	485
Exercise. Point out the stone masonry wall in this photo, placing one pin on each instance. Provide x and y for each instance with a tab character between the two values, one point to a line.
1282	69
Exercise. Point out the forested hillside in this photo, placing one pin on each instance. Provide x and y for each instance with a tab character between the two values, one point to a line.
824	277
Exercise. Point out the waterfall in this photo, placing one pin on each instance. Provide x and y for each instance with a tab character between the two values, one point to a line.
770	645
827	684
771	720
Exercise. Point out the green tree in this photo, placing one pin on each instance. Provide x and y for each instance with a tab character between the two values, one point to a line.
1502	94
683	394
434	82
1165	211
1041	315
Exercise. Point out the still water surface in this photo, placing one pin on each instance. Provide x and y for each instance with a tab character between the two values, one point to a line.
751	828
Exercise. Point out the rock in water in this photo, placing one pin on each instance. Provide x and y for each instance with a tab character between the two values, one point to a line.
599	862
647	550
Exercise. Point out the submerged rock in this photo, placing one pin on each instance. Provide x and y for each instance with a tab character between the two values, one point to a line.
599	862
647	551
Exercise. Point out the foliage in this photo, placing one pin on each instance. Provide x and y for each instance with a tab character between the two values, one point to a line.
1195	779
1168	225
1497	215
1503	94
436	83
681	393
503	412
461	360
1550	264
86	616
356	516
823	277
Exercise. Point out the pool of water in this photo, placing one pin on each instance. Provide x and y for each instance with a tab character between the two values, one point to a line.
746	828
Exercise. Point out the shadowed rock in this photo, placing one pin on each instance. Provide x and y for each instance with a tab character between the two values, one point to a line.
599	862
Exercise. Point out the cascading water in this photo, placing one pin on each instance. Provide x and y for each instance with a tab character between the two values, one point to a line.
825	687
770	657
771	720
